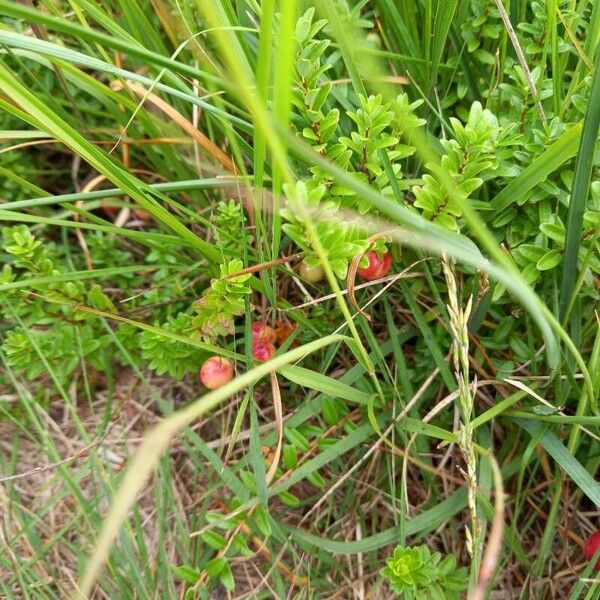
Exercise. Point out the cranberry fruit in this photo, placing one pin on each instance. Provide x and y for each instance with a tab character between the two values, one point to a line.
215	372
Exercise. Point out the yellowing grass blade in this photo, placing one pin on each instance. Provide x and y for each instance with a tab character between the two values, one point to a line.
158	439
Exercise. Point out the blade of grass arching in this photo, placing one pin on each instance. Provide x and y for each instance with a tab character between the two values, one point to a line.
547	322
172	186
73	276
133	49
193	443
158	439
52	51
263	78
311	407
554	156
423	523
62	131
147	238
336	450
580	189
426	235
282	101
324	384
21	182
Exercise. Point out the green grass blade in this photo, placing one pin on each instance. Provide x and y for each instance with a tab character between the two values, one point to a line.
423	523
567	462
580	190
444	14
557	154
63	132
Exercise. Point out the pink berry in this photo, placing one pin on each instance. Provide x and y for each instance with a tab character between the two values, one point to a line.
378	267
262	351
142	215
262	332
591	545
215	372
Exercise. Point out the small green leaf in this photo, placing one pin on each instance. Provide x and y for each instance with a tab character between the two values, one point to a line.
216	565
551	259
187	573
226	577
261	518
289	499
214	540
290	456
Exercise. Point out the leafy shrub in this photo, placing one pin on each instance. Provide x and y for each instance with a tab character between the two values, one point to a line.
417	574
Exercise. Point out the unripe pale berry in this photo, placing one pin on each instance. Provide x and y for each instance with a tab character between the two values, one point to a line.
311	274
373	40
262	351
378	266
215	372
591	545
262	332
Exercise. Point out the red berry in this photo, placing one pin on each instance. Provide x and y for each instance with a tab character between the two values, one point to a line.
262	332
378	266
110	210
262	351
591	545
215	372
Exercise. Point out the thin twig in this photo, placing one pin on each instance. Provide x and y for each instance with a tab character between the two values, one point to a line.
521	56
